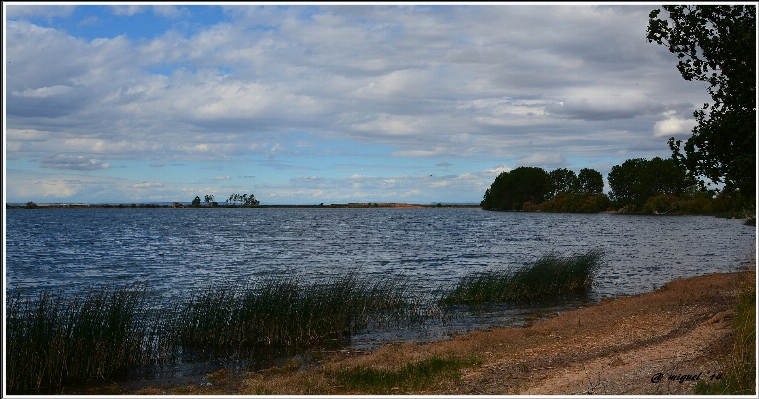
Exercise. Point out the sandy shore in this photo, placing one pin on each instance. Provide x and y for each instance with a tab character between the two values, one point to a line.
655	343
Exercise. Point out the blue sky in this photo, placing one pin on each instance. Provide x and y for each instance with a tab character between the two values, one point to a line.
308	104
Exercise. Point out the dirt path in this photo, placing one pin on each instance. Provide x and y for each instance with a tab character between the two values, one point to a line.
644	344
638	345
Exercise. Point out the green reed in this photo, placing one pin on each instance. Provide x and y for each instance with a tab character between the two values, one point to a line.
53	340
286	313
549	275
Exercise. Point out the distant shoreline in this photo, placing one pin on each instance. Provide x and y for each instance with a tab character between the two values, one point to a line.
181	205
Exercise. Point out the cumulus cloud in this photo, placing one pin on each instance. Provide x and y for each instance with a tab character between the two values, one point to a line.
674	126
70	162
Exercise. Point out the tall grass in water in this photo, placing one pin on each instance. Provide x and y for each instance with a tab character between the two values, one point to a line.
54	340
550	275
285	313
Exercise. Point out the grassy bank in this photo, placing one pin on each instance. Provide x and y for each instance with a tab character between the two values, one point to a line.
739	376
58	340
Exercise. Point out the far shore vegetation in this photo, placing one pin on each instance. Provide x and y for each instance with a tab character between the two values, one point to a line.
54	340
655	187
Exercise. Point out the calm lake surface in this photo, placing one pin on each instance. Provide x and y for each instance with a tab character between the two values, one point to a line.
176	250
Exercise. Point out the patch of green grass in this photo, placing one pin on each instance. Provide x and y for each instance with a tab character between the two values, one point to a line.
550	275
739	375
411	377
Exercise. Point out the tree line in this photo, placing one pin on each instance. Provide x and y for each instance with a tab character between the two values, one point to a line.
637	185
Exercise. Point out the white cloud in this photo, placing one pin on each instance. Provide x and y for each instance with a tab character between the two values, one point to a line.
674	126
128	10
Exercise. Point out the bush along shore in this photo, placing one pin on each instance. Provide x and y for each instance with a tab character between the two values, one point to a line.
54	341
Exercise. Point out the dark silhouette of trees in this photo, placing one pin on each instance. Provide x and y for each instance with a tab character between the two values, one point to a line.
637	180
511	190
561	190
716	44
242	200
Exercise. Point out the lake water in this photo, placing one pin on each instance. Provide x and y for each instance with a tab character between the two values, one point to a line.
178	249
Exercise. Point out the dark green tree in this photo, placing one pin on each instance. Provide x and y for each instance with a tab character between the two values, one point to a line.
511	190
716	44
589	182
196	201
562	181
622	181
637	180
208	199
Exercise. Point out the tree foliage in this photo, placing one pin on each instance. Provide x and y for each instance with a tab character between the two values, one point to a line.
563	181
561	190
637	180
511	190
589	182
716	44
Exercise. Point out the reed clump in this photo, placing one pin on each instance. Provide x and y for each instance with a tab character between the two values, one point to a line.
57	340
285	313
549	275
52	340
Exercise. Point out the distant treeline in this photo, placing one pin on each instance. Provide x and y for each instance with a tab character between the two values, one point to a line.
656	186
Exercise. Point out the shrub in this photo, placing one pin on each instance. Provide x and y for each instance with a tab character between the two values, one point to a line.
662	204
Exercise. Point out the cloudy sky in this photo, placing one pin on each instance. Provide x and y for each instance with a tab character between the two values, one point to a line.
327	104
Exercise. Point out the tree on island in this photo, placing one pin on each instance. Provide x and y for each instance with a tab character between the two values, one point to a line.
195	202
242	200
716	44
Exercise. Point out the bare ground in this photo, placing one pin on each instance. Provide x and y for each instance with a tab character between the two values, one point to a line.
645	344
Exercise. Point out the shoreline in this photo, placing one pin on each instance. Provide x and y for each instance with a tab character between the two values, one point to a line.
615	347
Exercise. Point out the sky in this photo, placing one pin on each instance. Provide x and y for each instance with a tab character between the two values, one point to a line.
327	103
